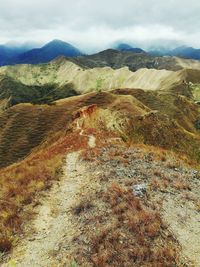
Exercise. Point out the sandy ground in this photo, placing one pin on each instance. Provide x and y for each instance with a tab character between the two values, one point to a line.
184	222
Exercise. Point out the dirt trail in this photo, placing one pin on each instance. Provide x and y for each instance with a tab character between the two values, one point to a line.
54	220
91	138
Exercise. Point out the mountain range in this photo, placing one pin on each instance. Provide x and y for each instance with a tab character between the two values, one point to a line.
182	51
27	54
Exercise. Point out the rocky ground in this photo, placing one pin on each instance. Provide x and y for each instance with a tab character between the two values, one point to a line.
165	183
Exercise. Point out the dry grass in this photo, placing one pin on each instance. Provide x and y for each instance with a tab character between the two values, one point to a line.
134	236
122	229
197	205
43	131
84	205
179	184
156	184
26	126
29	178
21	181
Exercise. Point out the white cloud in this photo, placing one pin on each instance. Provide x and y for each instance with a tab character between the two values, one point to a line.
94	24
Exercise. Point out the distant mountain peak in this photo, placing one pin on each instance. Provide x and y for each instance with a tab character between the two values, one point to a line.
56	42
126	47
109	50
49	51
181	51
123	46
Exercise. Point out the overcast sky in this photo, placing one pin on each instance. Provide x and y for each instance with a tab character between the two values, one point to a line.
95	24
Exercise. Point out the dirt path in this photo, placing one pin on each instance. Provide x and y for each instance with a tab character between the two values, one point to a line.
54	220
91	138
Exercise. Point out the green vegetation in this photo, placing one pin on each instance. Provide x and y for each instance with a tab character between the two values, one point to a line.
121	80
99	84
196	92
44	94
73	264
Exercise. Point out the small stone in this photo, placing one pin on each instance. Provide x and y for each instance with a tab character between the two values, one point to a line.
56	248
139	190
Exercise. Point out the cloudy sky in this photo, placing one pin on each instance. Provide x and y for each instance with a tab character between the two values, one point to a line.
95	24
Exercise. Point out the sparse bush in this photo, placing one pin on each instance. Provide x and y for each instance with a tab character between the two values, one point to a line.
73	264
82	206
5	243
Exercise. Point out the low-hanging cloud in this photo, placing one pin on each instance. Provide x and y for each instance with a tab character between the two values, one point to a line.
97	24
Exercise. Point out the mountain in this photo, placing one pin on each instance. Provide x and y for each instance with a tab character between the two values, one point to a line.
63	77
9	54
126	47
134	61
159	51
182	51
48	52
186	52
124	55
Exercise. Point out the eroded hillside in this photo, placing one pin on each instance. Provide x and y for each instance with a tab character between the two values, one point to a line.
61	78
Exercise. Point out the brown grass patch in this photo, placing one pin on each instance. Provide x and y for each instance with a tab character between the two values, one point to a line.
21	181
135	235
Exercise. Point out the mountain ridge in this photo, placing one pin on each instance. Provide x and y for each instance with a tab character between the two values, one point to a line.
12	54
126	47
186	52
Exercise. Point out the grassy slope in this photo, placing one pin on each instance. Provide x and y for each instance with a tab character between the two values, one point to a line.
35	138
25	126
18	92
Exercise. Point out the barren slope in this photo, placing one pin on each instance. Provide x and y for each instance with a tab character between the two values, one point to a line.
86	80
62	78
